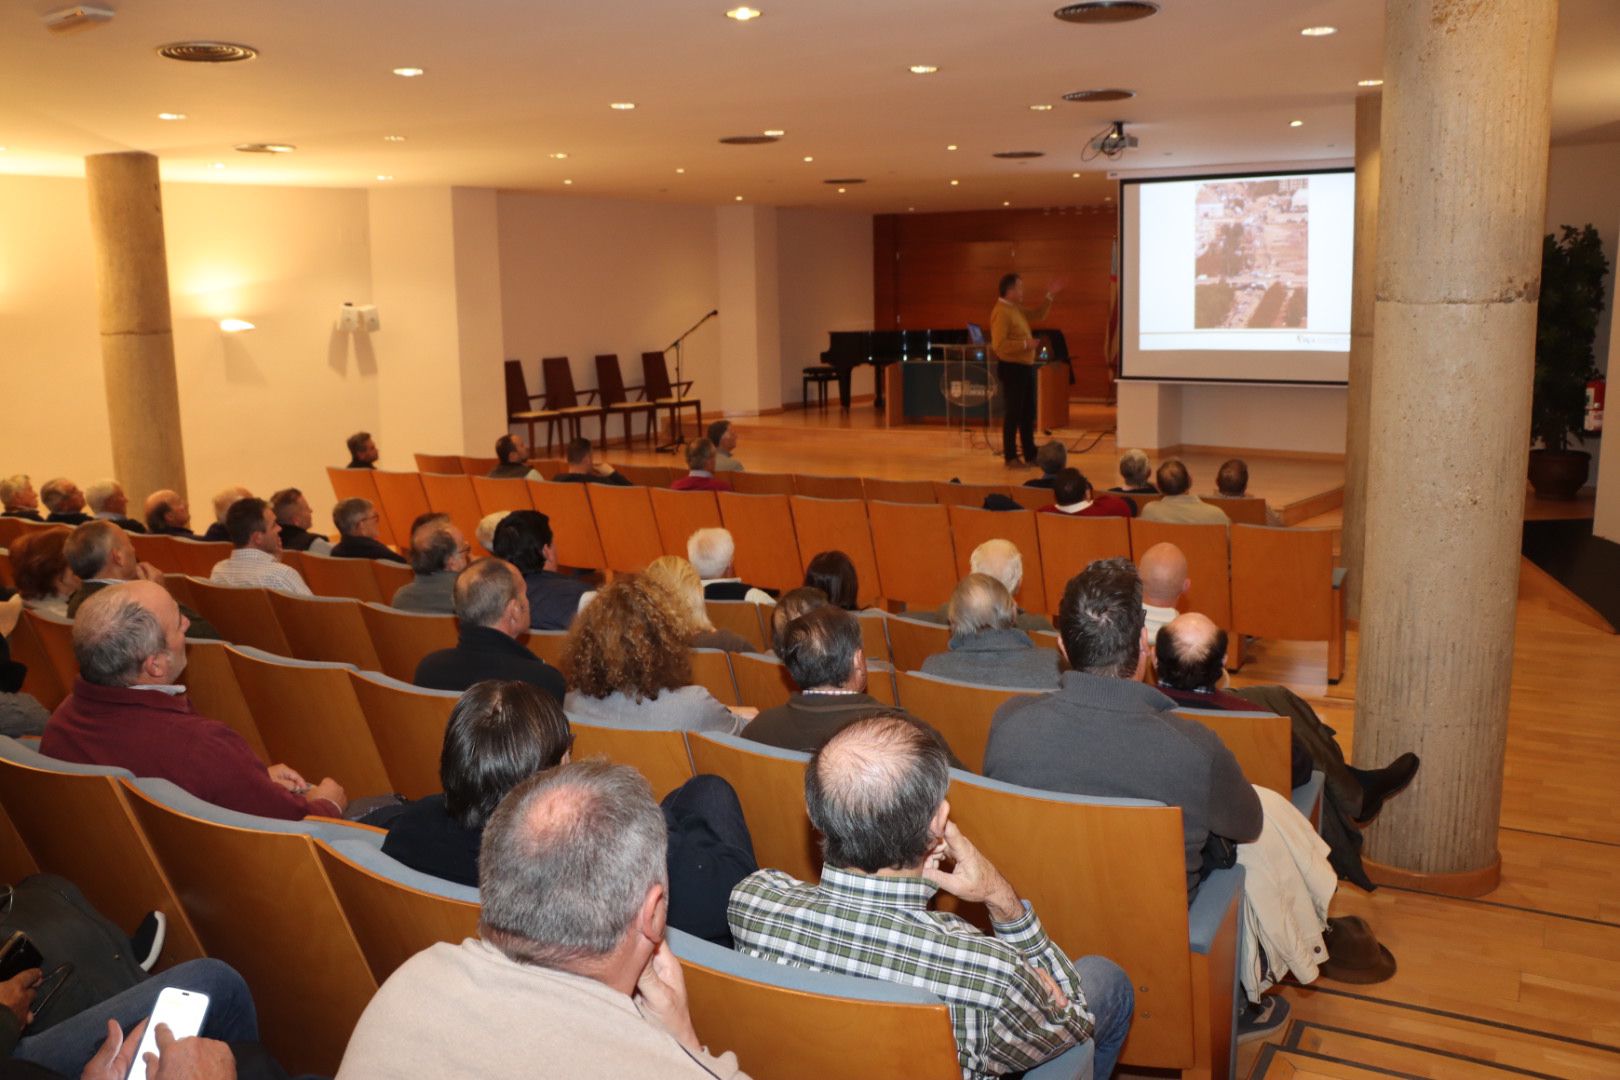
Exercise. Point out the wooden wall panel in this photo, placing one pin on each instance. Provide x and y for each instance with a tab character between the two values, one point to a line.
940	270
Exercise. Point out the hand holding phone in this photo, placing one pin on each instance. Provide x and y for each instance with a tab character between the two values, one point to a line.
179	1014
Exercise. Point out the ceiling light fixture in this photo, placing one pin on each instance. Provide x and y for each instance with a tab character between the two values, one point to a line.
265	148
681	171
950	146
956	183
568	183
738	198
1094	12
409	72
207	52
171	116
775	133
393	138
1018	155
1040	108
748	140
622	106
1318	31
1371	82
808	158
1296	123
1108	94
744	14
923	69
560	155
1075	175
842	190
219	164
235	326
384	176
1004	202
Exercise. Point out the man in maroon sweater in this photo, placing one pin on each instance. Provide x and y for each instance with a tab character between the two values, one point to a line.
127	709
700	458
1075	497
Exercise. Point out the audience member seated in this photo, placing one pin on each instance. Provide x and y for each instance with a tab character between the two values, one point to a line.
40	568
700	459
1180	506
107	502
492	612
723	434
101	555
1002	560
876	793
628	661
513	455
65	502
1232	482
362	451
712	553
1052	457
1135	469
1188	654
570	974
1163	569
222	506
21	714
168	514
583	468
677	575
128	709
486	528
523	538
358	524
833	572
18	497
1075	497
438	553
986	645
1107	733
256	561
294	515
794	602
822	652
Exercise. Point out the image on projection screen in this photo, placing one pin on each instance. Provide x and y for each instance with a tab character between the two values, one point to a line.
1238	277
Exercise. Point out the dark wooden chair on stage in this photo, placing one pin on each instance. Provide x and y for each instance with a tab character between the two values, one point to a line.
665	395
610	385
562	399
519	400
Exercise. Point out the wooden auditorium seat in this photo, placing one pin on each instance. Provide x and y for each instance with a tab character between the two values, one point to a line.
407	727
259	900
391	575
402	638
310	718
763	681
12	529
74	821
453	494
838	525
7	577
828	487
767	548
972	526
679	514
448	464
561	397
211	684
660	756
957	710
650	475
199	557
1208	552
624	521
1070	544
478	466
403	500
326	628
911	641
520	406
742	618
242	614
900	491
1030	498
1246	510
915	558
616	400
353	579
362	484
748	483
875	636
770	785
965	494
711	669
671	397
1141	500
1284	586
573	527
55	636
159	550
495	494
42	680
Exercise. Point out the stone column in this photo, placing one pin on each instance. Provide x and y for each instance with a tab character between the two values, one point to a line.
1359	401
137	343
1465	133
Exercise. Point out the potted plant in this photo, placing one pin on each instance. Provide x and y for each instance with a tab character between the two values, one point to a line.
1572	273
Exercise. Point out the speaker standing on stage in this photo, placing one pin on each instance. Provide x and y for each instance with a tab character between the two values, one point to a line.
1015	347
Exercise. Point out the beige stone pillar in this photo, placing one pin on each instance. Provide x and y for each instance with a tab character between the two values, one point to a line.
1359	401
1464	174
137	343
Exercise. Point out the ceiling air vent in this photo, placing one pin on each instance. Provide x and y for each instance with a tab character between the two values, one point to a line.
1018	155
846	180
749	140
1100	95
1096	12
266	147
207	52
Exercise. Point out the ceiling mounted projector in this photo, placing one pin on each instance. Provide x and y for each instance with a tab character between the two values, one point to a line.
1113	142
70	20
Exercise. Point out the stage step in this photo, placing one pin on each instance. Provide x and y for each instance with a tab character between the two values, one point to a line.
1282	1063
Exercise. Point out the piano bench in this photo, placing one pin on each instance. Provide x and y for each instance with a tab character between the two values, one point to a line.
821	375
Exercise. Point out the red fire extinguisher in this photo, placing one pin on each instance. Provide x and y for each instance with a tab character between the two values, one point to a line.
1594	407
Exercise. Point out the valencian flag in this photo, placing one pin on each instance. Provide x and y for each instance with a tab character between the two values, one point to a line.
1111	338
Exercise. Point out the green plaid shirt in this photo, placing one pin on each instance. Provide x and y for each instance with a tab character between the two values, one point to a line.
880	928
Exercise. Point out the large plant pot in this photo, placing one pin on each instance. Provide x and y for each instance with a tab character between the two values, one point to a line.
1558	474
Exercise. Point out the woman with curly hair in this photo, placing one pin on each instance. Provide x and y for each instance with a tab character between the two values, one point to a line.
681	579
628	664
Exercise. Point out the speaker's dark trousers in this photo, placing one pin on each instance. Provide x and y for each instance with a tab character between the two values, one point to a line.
1018	405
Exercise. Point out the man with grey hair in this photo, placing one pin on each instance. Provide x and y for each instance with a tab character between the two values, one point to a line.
986	646
18	497
65	502
1135	469
438	553
700	458
107	502
223	501
128	709
876	793
1001	560
167	514
1052	457
100	555
295	516
712	553
723	433
492	612
574	901
358	525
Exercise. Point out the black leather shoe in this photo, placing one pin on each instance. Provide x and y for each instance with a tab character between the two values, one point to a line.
1379	784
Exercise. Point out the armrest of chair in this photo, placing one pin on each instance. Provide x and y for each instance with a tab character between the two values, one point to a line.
1307	798
590	396
1217	897
681	387
1338	577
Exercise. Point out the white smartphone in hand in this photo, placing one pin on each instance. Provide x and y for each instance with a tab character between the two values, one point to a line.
182	1011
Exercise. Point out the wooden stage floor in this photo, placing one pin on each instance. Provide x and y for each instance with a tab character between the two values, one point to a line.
1523	982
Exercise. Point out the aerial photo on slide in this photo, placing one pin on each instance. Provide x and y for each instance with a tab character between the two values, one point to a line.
1253	254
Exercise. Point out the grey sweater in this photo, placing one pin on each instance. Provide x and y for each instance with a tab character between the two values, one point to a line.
996	658
685	708
1121	738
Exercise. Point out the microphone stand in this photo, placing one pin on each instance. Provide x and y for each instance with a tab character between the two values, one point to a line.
677	434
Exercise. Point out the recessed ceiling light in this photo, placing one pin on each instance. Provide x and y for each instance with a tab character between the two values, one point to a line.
1076	175
923	69
951	146
384	176
219	164
682	171
1371	82
1318	31
744	14
558	156
171	116
842	190
622	106
266	148
775	133
1004	202
1296	123
738	198
955	183
393	138
409	72
808	158
1040	108
235	326
567	182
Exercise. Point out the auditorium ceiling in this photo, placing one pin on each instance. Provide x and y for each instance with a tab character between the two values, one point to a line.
510	85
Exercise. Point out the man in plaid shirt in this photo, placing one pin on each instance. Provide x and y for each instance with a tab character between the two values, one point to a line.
876	792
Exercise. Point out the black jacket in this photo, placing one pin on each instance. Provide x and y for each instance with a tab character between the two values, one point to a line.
297	538
199	628
75	518
364	547
486	653
614	478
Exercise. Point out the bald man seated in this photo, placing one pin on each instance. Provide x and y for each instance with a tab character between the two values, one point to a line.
1165	580
167	514
128	709
100	555
1179	505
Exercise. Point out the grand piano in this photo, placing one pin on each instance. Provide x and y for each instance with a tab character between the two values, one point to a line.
849	349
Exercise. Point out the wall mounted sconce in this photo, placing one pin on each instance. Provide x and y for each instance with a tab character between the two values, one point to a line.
235	326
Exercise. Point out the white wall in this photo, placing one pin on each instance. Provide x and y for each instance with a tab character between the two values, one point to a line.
825	277
750	332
